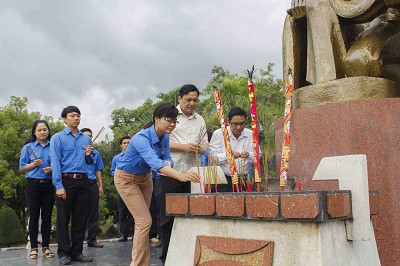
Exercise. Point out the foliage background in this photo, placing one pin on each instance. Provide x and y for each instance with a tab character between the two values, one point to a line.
16	122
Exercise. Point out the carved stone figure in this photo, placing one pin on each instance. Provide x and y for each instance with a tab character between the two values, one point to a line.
342	50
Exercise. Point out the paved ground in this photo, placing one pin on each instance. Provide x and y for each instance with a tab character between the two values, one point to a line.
113	253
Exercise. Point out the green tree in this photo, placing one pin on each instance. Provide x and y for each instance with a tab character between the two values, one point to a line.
15	127
234	92
10	229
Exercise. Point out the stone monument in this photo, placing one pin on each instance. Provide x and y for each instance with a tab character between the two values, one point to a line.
345	56
342	50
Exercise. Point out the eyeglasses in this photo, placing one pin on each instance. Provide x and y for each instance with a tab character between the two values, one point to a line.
236	124
169	120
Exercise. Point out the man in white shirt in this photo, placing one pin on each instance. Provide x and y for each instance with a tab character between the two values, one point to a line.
241	141
189	135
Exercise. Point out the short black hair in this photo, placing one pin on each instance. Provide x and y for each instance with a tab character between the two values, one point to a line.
69	109
187	88
236	111
122	139
163	110
85	129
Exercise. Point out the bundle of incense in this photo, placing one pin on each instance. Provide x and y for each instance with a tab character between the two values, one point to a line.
241	162
216	175
203	132
227	142
33	153
204	168
208	174
249	182
196	153
254	129
98	134
265	161
289	87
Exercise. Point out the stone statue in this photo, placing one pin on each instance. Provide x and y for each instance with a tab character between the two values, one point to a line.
342	50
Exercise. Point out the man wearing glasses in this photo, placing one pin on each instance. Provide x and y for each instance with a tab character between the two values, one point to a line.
241	141
188	136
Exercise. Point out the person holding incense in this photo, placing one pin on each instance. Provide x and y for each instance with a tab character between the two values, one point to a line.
95	192
70	153
148	153
125	218
187	141
241	140
35	161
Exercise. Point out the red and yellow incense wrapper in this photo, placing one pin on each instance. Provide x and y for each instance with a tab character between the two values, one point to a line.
227	142
286	130
254	129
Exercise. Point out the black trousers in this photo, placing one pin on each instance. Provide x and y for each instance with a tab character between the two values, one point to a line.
93	211
40	198
125	218
169	185
73	209
155	209
227	187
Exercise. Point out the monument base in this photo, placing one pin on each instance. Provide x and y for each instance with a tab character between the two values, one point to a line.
340	90
295	243
370	127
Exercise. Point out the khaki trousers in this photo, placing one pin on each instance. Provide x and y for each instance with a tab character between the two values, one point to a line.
136	190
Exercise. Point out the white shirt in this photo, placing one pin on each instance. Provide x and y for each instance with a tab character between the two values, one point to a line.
242	144
190	129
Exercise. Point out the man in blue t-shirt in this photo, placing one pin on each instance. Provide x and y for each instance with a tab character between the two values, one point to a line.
70	153
125	218
95	192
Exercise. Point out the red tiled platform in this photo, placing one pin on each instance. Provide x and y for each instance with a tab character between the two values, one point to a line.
314	206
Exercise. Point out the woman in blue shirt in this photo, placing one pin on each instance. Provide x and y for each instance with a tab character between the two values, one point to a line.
35	161
148	152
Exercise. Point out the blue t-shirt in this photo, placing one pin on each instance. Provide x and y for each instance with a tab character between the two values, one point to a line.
67	154
43	153
145	152
114	163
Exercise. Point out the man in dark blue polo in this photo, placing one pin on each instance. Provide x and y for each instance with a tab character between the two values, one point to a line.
125	218
70	152
95	192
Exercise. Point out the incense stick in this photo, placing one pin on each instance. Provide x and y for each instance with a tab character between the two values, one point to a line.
33	153
98	134
196	153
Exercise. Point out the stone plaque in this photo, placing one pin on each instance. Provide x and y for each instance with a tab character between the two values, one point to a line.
211	250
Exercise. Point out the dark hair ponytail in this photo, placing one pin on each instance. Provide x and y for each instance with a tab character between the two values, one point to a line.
163	110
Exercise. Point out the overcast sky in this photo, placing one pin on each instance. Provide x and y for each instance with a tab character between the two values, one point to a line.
102	55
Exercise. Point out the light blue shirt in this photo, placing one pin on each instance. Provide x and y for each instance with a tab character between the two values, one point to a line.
43	153
96	166
67	154
145	152
114	163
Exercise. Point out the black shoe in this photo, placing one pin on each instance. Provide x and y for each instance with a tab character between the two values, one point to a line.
82	258
65	260
123	239
95	244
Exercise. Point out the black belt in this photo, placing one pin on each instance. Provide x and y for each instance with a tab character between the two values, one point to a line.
92	181
75	175
41	181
